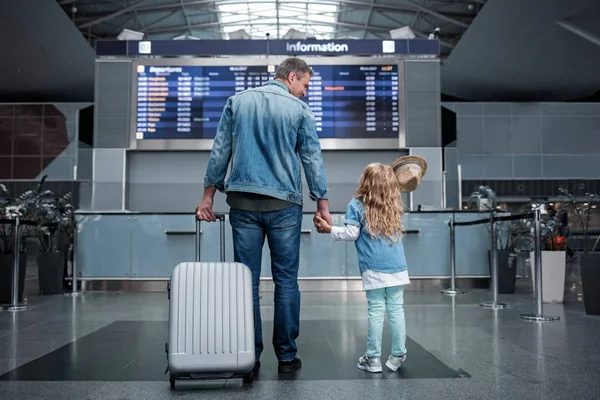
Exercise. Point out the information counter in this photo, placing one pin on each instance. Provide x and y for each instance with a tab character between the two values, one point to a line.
125	246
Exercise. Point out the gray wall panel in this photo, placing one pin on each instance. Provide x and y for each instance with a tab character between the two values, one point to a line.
472	166
173	181
62	168
107	185
525	109
451	168
571	167
527	167
568	109
468	109
106	196
525	136
85	195
108	165
496	140
498	167
528	140
113	104
422	98
429	192
499	109
422	75
85	162
470	134
571	135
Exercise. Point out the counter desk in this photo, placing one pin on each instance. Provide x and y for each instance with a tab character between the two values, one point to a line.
137	251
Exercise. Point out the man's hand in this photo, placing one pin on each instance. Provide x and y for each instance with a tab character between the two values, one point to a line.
324	226
323	214
204	210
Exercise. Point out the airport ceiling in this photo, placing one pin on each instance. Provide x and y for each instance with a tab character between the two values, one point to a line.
323	19
528	50
492	50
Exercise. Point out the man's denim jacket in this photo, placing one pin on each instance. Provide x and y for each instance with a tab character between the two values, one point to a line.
266	132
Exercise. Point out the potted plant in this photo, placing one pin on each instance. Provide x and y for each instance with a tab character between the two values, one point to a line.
52	216
589	259
486	201
521	237
54	220
507	271
554	238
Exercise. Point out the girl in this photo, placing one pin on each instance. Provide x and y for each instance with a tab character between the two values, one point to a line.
374	221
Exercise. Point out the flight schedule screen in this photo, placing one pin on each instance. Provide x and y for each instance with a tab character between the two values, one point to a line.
186	102
354	101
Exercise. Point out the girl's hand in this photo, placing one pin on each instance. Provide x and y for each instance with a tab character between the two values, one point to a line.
322	224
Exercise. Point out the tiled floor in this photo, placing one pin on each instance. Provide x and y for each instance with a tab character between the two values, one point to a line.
111	346
137	353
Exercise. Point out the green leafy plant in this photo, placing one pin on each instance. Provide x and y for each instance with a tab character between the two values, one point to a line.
12	208
486	201
582	210
553	228
52	215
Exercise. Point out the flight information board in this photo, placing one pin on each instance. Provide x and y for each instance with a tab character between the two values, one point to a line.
186	102
355	101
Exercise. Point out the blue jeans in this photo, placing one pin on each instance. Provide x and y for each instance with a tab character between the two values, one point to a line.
282	229
392	300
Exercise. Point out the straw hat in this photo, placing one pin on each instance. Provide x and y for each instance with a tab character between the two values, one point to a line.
409	170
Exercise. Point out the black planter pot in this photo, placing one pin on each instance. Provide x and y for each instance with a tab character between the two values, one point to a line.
6	276
507	271
590	282
51	273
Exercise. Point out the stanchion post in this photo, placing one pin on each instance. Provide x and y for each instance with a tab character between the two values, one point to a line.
15	305
74	282
494	304
452	291
539	315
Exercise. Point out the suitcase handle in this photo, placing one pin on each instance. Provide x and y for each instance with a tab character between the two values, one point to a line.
221	218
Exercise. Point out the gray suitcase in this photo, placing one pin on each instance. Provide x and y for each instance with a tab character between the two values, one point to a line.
211	318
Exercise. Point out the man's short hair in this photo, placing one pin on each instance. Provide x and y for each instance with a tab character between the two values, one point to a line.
292	64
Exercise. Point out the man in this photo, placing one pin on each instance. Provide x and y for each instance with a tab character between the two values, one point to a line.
265	133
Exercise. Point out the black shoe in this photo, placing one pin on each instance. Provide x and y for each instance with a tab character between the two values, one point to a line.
256	368
285	367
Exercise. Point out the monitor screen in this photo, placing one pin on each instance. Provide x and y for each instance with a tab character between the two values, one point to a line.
186	102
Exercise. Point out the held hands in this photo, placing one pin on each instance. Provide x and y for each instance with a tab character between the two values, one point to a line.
322	217
322	225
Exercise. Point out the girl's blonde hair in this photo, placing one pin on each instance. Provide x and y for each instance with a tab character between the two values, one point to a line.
380	194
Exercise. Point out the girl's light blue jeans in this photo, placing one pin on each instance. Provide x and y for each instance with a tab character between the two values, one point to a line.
390	299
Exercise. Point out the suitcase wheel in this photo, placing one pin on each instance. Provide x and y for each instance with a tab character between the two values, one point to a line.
249	378
172	382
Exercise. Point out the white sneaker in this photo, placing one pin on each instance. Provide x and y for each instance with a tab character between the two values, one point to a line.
370	364
394	362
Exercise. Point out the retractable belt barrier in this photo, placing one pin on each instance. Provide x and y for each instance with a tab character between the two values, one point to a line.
452	291
495	304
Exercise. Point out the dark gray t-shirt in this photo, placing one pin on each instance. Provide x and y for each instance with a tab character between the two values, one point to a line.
256	202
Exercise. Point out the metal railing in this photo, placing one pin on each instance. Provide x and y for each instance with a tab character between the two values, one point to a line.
74	282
